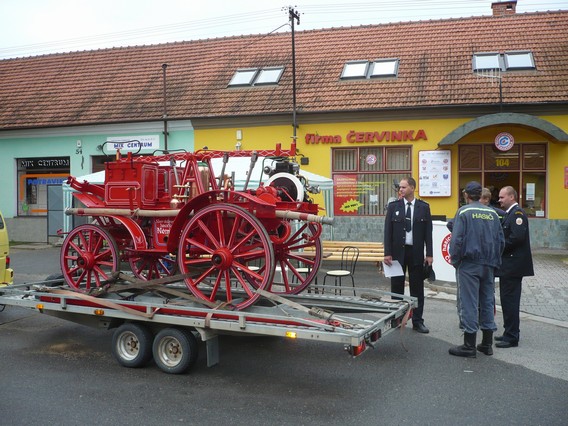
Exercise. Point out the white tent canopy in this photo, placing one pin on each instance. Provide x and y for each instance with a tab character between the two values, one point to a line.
241	166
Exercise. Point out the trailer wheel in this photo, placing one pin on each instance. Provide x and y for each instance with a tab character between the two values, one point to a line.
175	350
132	345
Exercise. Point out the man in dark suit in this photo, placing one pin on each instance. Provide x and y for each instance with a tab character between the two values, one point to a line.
516	263
408	230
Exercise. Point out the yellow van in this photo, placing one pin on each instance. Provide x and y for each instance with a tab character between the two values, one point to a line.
6	274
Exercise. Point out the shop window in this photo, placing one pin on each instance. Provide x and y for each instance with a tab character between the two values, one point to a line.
344	160
398	159
501	160
523	167
470	157
364	178
533	190
34	176
534	157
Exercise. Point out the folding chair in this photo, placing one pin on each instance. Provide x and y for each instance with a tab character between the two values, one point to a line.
349	257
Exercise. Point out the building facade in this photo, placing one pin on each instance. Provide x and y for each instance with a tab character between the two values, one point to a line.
449	101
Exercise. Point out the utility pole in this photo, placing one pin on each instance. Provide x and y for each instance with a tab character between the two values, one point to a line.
165	116
294	15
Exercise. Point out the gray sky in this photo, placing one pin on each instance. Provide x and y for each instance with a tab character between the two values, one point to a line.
37	27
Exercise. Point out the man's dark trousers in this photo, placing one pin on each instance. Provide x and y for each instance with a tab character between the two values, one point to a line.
510	292
416	282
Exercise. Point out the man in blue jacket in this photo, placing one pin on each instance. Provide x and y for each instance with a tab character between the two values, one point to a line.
516	263
408	233
475	249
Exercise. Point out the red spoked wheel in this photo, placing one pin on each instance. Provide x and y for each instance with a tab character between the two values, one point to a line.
298	258
149	266
89	256
219	246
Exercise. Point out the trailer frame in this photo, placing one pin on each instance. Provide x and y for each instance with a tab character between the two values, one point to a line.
356	322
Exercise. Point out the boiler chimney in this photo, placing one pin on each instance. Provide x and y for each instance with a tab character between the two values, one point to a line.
504	7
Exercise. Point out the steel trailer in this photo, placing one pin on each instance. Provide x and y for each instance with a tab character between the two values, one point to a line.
166	323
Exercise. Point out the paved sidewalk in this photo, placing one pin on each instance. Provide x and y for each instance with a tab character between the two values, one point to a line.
545	296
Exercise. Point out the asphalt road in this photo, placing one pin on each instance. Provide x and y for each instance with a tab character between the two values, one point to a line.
57	372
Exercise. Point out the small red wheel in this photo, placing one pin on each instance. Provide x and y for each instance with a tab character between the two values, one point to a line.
89	256
298	258
219	246
149	266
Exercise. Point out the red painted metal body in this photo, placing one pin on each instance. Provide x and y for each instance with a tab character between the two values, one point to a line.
169	213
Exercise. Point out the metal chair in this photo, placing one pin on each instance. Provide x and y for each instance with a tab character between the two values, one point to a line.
349	258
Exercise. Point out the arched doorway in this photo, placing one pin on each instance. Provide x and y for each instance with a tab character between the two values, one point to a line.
507	149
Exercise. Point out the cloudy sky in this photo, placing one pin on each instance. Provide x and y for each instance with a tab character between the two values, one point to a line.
37	27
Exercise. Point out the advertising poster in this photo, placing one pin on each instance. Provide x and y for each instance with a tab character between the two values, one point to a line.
346	202
435	173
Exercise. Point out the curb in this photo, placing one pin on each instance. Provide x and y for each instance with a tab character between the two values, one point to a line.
449	289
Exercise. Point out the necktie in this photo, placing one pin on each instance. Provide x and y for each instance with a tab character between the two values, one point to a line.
408	221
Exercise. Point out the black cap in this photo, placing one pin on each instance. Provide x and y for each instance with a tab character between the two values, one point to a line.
473	189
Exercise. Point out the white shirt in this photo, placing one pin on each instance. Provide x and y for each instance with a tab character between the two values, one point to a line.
408	240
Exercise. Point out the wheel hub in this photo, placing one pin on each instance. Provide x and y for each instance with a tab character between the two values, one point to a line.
86	261
222	258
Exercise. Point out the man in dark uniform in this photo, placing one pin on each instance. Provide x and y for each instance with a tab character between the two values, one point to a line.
475	249
408	230
516	263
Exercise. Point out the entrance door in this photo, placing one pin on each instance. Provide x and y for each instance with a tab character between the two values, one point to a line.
54	210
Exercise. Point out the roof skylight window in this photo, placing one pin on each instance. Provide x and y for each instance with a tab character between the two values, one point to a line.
243	77
487	61
366	69
355	69
269	75
256	76
519	61
384	68
509	61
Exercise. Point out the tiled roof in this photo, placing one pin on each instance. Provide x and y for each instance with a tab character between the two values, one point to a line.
125	84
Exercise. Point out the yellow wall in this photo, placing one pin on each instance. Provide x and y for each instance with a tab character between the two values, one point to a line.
266	137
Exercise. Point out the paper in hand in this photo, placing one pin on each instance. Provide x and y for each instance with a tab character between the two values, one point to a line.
395	270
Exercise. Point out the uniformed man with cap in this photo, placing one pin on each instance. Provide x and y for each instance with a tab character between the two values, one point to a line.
475	249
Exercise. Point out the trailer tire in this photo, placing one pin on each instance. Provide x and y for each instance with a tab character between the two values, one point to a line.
132	345
175	350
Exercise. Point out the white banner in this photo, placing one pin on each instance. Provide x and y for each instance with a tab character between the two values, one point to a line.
132	144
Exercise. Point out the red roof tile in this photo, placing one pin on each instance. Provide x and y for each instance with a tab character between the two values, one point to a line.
125	84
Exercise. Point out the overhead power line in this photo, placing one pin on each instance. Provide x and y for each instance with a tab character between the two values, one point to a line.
262	21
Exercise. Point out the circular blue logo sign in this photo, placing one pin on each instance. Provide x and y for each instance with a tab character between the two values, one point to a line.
504	141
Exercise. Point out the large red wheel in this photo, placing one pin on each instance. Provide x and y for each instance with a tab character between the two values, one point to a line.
89	256
298	258
149	266
219	246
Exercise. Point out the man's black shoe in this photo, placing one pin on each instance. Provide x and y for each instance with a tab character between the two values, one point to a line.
499	338
506	344
421	328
